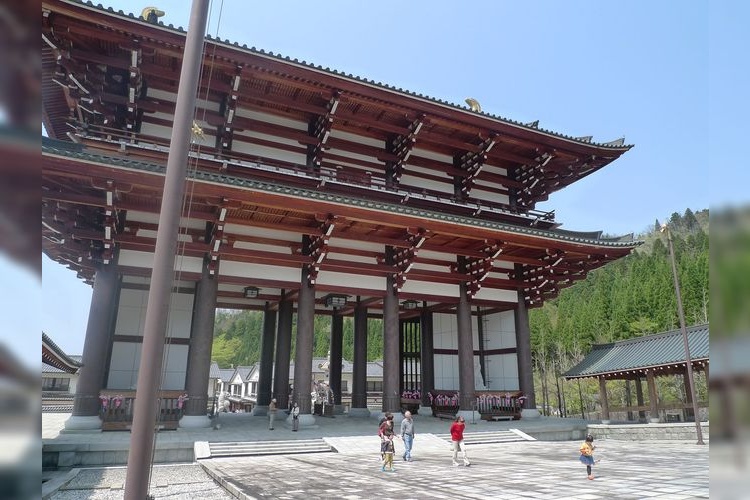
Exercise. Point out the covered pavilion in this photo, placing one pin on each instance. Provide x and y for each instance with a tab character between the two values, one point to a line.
651	356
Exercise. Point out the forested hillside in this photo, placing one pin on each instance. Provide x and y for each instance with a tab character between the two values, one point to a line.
237	337
630	297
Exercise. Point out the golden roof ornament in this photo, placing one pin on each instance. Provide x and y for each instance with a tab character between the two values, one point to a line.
474	104
152	14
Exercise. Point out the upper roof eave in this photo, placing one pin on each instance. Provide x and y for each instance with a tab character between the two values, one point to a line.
51	147
130	17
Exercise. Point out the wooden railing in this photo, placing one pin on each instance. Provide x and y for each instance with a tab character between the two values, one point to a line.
499	405
491	405
117	407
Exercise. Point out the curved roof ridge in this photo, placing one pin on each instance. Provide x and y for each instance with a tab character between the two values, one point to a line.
616	144
71	364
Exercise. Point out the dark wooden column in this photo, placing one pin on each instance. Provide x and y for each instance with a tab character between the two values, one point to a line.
95	348
334	365
639	399
465	352
391	368
265	373
652	397
283	353
603	399
523	352
304	349
359	368
427	364
199	355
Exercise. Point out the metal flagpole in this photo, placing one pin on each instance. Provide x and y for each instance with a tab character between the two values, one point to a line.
142	436
681	314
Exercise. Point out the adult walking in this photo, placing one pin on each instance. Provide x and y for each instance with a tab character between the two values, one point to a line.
457	440
271	414
407	435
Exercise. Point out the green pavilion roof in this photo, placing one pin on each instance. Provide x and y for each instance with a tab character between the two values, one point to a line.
633	355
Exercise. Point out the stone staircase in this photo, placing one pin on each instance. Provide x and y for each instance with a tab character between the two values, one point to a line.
490	437
205	449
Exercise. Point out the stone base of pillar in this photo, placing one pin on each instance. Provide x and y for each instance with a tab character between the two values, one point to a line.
359	412
304	421
528	413
338	409
606	422
425	411
654	421
78	423
260	411
195	422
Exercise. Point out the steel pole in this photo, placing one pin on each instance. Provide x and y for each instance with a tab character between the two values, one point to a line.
157	309
681	315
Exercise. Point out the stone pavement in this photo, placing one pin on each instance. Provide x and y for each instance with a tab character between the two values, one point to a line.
528	469
534	469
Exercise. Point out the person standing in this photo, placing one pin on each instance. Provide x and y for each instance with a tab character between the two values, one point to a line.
295	417
587	454
457	440
271	414
407	435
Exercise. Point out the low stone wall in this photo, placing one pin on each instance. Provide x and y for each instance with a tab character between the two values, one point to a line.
646	432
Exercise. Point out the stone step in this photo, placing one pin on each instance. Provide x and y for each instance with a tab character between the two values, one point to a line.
489	437
251	448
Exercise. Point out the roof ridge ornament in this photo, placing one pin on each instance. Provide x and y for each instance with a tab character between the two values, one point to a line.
616	142
473	104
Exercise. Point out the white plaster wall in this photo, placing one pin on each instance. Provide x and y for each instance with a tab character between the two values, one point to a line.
126	359
481	194
418	183
131	317
501	369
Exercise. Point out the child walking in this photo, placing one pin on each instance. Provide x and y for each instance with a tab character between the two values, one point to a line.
387	449
587	454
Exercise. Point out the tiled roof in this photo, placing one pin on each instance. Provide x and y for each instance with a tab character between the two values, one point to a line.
62	148
51	369
214	371
226	374
651	351
533	126
53	355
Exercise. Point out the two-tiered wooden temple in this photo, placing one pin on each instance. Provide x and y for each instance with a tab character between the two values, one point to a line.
309	191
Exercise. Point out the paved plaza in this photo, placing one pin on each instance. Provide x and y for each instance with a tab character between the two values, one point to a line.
524	469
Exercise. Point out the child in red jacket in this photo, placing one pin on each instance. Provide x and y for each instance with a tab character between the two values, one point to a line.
457	440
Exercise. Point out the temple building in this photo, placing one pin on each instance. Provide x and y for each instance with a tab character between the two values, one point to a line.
309	191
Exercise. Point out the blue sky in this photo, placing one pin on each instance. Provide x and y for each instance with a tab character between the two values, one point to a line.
666	75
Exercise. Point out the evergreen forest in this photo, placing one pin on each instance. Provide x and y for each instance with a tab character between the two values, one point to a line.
630	297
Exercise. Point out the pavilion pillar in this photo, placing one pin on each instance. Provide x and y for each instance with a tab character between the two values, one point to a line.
688	411
304	351
523	354
334	364
199	354
283	353
359	368
639	399
466	387
652	398
603	400
86	402
265	372
427	364
391	367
